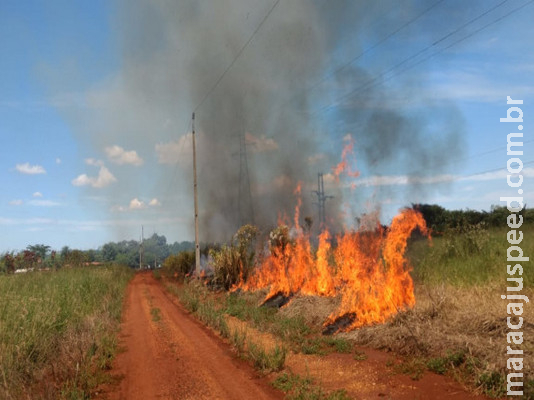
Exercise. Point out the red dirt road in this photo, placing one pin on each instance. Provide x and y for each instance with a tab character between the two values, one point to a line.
168	355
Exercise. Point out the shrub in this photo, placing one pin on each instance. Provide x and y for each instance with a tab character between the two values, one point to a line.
233	263
179	265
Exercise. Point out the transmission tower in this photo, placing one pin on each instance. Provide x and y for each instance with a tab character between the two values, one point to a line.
321	199
245	208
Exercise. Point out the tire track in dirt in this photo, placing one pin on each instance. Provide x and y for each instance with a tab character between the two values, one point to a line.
169	355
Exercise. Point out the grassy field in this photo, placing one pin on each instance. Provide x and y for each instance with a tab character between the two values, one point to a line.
473	256
58	331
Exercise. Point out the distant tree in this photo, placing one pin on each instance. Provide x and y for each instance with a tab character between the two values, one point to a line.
109	252
9	262
40	250
76	258
65	250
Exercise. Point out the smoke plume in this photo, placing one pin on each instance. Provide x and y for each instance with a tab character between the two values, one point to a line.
274	96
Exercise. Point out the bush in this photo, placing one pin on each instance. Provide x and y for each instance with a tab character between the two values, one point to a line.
179	265
232	264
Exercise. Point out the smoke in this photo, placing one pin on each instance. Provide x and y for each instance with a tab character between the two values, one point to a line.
172	54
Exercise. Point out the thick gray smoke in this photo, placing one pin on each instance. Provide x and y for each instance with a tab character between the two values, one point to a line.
173	52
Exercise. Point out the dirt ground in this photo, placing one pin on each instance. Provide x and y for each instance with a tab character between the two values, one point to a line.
169	355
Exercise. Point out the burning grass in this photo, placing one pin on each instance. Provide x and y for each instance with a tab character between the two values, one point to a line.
367	269
57	330
455	331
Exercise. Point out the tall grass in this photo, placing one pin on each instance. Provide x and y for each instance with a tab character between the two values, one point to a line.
470	256
56	328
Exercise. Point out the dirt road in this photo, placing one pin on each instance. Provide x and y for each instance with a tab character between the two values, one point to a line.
168	355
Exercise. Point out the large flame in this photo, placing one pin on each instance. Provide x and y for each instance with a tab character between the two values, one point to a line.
367	268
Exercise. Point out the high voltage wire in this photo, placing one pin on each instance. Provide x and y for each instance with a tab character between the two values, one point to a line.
494	170
490	151
375	81
236	57
374	46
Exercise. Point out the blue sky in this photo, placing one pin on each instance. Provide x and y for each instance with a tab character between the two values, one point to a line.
96	145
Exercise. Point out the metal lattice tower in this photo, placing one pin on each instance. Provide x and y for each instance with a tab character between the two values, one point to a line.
321	199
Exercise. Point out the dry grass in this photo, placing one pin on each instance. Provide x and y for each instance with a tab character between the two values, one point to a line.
449	320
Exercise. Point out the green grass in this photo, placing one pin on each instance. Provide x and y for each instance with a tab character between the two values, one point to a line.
195	299
156	314
473	257
299	388
56	328
266	361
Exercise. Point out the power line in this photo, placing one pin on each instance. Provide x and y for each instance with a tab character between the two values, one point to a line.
375	81
494	170
371	48
490	151
236	57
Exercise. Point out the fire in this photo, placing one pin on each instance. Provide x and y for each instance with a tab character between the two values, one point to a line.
344	164
368	269
374	273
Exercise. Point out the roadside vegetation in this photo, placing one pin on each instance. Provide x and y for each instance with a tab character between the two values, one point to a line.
58	331
457	327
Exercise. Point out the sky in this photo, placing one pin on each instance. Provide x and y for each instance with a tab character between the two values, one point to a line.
96	101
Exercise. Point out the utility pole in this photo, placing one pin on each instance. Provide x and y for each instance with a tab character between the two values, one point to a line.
197	246
141	249
321	199
245	209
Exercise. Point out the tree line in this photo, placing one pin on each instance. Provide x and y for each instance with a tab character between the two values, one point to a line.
441	220
154	250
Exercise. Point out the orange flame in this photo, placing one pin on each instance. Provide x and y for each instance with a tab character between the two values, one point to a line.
344	164
368	269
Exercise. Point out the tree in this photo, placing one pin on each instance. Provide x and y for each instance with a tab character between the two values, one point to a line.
40	250
76	258
109	252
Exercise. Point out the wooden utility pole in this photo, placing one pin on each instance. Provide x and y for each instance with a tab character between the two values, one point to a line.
197	246
141	249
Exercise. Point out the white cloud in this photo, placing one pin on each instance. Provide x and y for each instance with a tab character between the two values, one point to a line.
260	144
37	194
28	169
58	160
174	152
136	204
44	203
118	155
154	203
94	162
16	202
104	178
